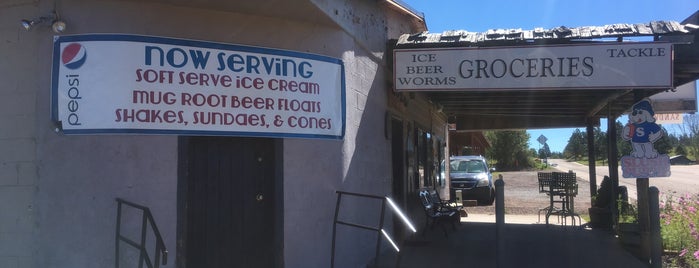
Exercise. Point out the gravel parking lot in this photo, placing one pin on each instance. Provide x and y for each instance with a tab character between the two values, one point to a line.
522	195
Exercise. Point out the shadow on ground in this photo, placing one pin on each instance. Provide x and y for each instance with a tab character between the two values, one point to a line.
473	244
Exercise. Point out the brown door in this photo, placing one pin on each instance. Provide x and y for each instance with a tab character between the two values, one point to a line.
229	207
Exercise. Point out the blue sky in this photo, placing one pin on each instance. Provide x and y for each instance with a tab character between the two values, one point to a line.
480	16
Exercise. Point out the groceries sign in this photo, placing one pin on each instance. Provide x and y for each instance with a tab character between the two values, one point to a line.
155	85
624	65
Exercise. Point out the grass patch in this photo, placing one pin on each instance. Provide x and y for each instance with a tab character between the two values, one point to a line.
585	217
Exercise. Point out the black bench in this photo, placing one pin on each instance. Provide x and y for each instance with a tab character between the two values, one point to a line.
445	204
437	213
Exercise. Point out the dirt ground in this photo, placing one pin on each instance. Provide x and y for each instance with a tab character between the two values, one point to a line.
522	195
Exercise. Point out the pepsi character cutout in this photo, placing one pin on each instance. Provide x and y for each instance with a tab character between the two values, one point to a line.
642	130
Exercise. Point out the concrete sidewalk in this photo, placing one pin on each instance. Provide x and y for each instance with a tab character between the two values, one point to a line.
519	219
524	244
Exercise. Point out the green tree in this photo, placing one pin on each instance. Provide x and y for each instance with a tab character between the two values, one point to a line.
577	145
600	143
623	146
544	152
557	155
663	145
532	152
674	140
510	149
679	150
689	137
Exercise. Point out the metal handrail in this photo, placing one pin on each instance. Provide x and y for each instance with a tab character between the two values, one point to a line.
147	219
371	228
378	229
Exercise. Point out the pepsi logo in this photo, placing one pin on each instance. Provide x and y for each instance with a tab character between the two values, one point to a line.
73	56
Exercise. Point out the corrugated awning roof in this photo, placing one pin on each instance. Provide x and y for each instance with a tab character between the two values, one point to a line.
556	35
537	108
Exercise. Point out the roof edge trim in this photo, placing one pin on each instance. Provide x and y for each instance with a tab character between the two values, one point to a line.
407	9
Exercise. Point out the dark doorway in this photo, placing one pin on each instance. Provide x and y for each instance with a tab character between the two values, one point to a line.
227	203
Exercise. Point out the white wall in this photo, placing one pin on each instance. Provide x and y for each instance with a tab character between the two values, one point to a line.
57	192
361	163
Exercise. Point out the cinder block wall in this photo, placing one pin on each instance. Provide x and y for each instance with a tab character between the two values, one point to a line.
18	159
57	192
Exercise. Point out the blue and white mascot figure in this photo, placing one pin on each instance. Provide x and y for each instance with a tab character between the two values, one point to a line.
642	130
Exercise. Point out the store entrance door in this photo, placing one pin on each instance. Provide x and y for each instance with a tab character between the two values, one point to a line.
229	204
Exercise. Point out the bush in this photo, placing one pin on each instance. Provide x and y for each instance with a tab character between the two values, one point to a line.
678	227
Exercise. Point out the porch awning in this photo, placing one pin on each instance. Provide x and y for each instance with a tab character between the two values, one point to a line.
555	108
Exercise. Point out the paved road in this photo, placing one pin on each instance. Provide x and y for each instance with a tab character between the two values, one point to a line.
683	179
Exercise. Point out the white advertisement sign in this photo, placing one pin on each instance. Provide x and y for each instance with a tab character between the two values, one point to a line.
589	66
156	85
663	119
682	99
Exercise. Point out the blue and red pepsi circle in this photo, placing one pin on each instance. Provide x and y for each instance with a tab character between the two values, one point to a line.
73	56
